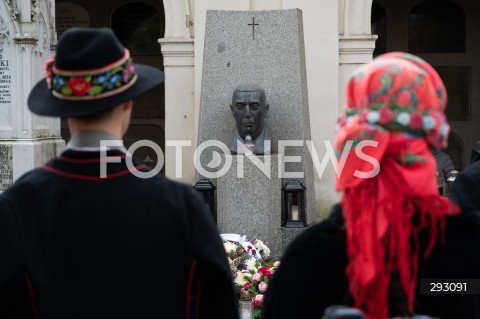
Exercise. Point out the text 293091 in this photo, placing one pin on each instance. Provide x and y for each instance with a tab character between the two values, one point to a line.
450	286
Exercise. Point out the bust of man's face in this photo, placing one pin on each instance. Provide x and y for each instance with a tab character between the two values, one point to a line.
249	108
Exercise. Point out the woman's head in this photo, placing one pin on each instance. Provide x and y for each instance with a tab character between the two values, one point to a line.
395	109
399	92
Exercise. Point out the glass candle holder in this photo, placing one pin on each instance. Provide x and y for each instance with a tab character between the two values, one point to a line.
246	310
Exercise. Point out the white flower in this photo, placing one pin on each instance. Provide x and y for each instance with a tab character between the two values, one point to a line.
242	278
262	248
233	237
266	252
258	243
229	247
251	264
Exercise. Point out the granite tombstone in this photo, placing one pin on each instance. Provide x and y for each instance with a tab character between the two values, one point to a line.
265	48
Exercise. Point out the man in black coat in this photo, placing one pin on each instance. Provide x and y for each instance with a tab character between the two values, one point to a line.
466	190
88	235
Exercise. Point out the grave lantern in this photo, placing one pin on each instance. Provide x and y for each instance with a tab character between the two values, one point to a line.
293	204
207	190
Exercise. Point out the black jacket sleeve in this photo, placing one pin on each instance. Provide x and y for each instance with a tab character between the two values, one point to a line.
311	275
211	280
14	298
466	189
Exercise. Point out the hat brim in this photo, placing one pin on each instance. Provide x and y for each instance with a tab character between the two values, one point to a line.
42	102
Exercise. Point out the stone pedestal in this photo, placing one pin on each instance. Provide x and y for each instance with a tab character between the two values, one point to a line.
251	205
249	202
289	234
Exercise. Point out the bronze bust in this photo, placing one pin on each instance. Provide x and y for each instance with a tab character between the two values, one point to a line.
249	108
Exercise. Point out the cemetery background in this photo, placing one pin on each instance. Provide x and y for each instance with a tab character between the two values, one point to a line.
339	35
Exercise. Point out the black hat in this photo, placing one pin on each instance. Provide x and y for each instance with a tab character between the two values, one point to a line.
90	73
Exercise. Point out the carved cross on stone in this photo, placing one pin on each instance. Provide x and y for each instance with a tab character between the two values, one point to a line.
253	24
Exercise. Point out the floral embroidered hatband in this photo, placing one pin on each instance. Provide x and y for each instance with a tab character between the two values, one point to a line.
91	84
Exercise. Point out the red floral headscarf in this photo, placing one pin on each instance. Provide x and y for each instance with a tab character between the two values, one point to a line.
393	119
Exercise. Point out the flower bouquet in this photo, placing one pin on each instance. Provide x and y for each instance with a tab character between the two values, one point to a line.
251	266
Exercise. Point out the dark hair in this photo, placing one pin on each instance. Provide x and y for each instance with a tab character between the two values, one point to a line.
97	116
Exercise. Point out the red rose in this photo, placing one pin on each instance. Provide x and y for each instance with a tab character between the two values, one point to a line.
264	271
416	121
246	286
79	86
386	115
257	301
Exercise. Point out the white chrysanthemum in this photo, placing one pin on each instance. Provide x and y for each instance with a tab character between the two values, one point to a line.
251	264
259	243
266	251
262	248
242	278
229	247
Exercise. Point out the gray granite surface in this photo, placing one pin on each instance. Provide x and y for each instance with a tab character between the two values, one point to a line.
251	205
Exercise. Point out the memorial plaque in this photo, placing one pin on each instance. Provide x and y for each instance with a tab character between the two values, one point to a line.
139	26
70	15
457	81
5	79
6	173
